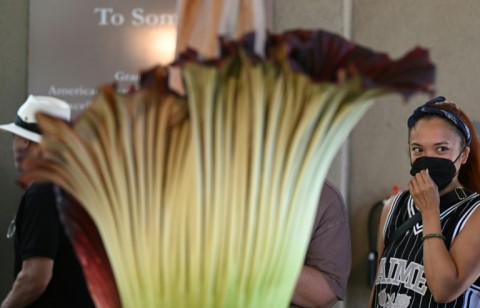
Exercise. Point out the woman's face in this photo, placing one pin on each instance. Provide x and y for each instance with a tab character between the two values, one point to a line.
436	137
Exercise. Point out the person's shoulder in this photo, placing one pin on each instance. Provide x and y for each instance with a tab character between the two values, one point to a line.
472	194
331	192
39	188
38	196
331	206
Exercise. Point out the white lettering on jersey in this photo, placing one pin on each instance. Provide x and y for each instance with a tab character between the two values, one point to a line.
412	276
394	300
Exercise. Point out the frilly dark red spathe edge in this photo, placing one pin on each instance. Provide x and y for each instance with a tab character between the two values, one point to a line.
328	57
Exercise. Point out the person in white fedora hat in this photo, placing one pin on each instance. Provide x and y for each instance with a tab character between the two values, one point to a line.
25	124
47	271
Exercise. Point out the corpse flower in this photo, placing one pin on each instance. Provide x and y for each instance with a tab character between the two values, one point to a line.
207	199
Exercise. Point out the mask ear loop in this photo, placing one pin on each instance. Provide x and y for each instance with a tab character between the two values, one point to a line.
464	147
459	190
458	171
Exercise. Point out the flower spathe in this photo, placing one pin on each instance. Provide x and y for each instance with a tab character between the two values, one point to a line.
208	199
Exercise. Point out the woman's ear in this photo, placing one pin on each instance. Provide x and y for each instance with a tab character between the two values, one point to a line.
465	154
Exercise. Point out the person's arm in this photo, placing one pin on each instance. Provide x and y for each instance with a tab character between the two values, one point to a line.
448	272
30	283
312	290
323	279
380	239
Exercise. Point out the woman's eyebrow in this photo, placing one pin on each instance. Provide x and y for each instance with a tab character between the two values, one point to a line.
437	143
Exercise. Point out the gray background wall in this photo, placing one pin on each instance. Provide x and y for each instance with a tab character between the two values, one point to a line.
375	156
13	90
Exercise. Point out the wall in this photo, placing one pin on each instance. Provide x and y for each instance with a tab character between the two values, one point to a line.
377	148
13	88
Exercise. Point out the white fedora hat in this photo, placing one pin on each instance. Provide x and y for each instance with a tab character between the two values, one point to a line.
25	124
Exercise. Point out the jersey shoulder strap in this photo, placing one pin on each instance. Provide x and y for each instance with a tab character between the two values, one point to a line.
406	225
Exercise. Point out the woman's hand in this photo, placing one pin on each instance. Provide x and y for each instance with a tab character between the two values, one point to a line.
424	193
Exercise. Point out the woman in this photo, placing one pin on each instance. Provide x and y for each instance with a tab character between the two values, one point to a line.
434	258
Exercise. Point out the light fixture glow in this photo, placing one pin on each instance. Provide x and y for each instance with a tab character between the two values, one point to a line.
164	44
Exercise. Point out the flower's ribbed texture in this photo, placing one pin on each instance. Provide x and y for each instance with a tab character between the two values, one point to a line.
208	200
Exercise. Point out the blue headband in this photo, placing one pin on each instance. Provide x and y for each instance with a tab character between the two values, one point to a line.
428	108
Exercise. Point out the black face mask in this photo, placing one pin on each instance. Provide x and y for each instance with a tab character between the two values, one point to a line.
441	170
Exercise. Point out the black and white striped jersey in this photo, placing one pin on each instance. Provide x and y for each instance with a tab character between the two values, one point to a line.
401	279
